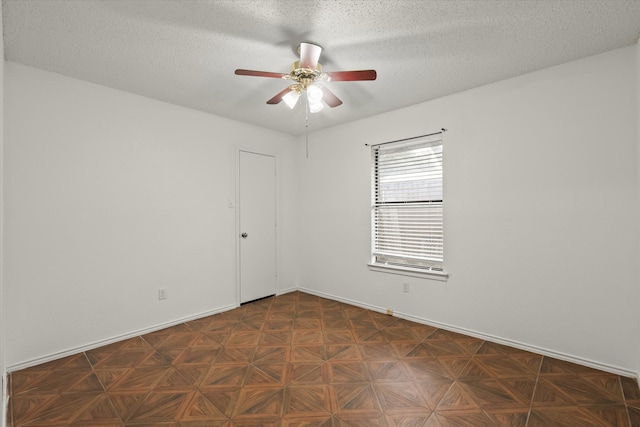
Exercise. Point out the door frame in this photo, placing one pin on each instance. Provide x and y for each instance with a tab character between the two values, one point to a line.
262	152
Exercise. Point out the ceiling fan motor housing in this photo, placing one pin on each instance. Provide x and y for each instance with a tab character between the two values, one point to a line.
304	76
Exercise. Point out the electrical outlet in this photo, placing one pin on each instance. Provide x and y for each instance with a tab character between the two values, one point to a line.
390	311
405	286
162	293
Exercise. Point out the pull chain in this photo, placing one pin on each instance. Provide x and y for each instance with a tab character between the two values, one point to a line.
306	125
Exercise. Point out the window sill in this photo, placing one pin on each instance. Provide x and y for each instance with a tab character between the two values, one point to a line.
407	271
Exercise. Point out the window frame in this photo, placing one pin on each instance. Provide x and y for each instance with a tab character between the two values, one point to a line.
421	141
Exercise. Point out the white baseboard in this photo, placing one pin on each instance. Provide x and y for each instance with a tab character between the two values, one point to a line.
487	337
96	344
344	300
286	291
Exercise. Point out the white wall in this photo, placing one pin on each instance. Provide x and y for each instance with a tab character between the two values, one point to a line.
110	196
2	322
637	311
541	211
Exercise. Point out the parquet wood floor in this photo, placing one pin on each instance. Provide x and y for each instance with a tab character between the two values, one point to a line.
301	360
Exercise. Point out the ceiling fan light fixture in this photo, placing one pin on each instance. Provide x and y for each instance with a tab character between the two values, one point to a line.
305	73
314	93
315	107
291	98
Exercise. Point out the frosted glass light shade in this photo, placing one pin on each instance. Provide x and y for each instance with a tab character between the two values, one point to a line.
291	99
314	93
314	107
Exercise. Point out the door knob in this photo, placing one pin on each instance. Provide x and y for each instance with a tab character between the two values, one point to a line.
244	235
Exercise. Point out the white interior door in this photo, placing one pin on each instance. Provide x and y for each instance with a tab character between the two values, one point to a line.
257	212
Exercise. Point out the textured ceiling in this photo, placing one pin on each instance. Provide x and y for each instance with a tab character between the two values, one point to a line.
185	52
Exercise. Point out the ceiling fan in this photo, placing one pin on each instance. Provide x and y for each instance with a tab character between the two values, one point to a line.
305	74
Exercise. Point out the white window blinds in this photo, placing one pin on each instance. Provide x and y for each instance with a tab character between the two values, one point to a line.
406	197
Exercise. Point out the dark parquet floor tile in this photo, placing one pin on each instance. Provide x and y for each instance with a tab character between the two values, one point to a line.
300	360
634	416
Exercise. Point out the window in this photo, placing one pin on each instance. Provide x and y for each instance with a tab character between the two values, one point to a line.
406	193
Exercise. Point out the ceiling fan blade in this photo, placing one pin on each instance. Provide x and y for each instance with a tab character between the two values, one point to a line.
330	98
276	99
254	73
309	55
349	76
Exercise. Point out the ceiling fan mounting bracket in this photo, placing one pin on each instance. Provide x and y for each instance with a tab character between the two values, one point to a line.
308	44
